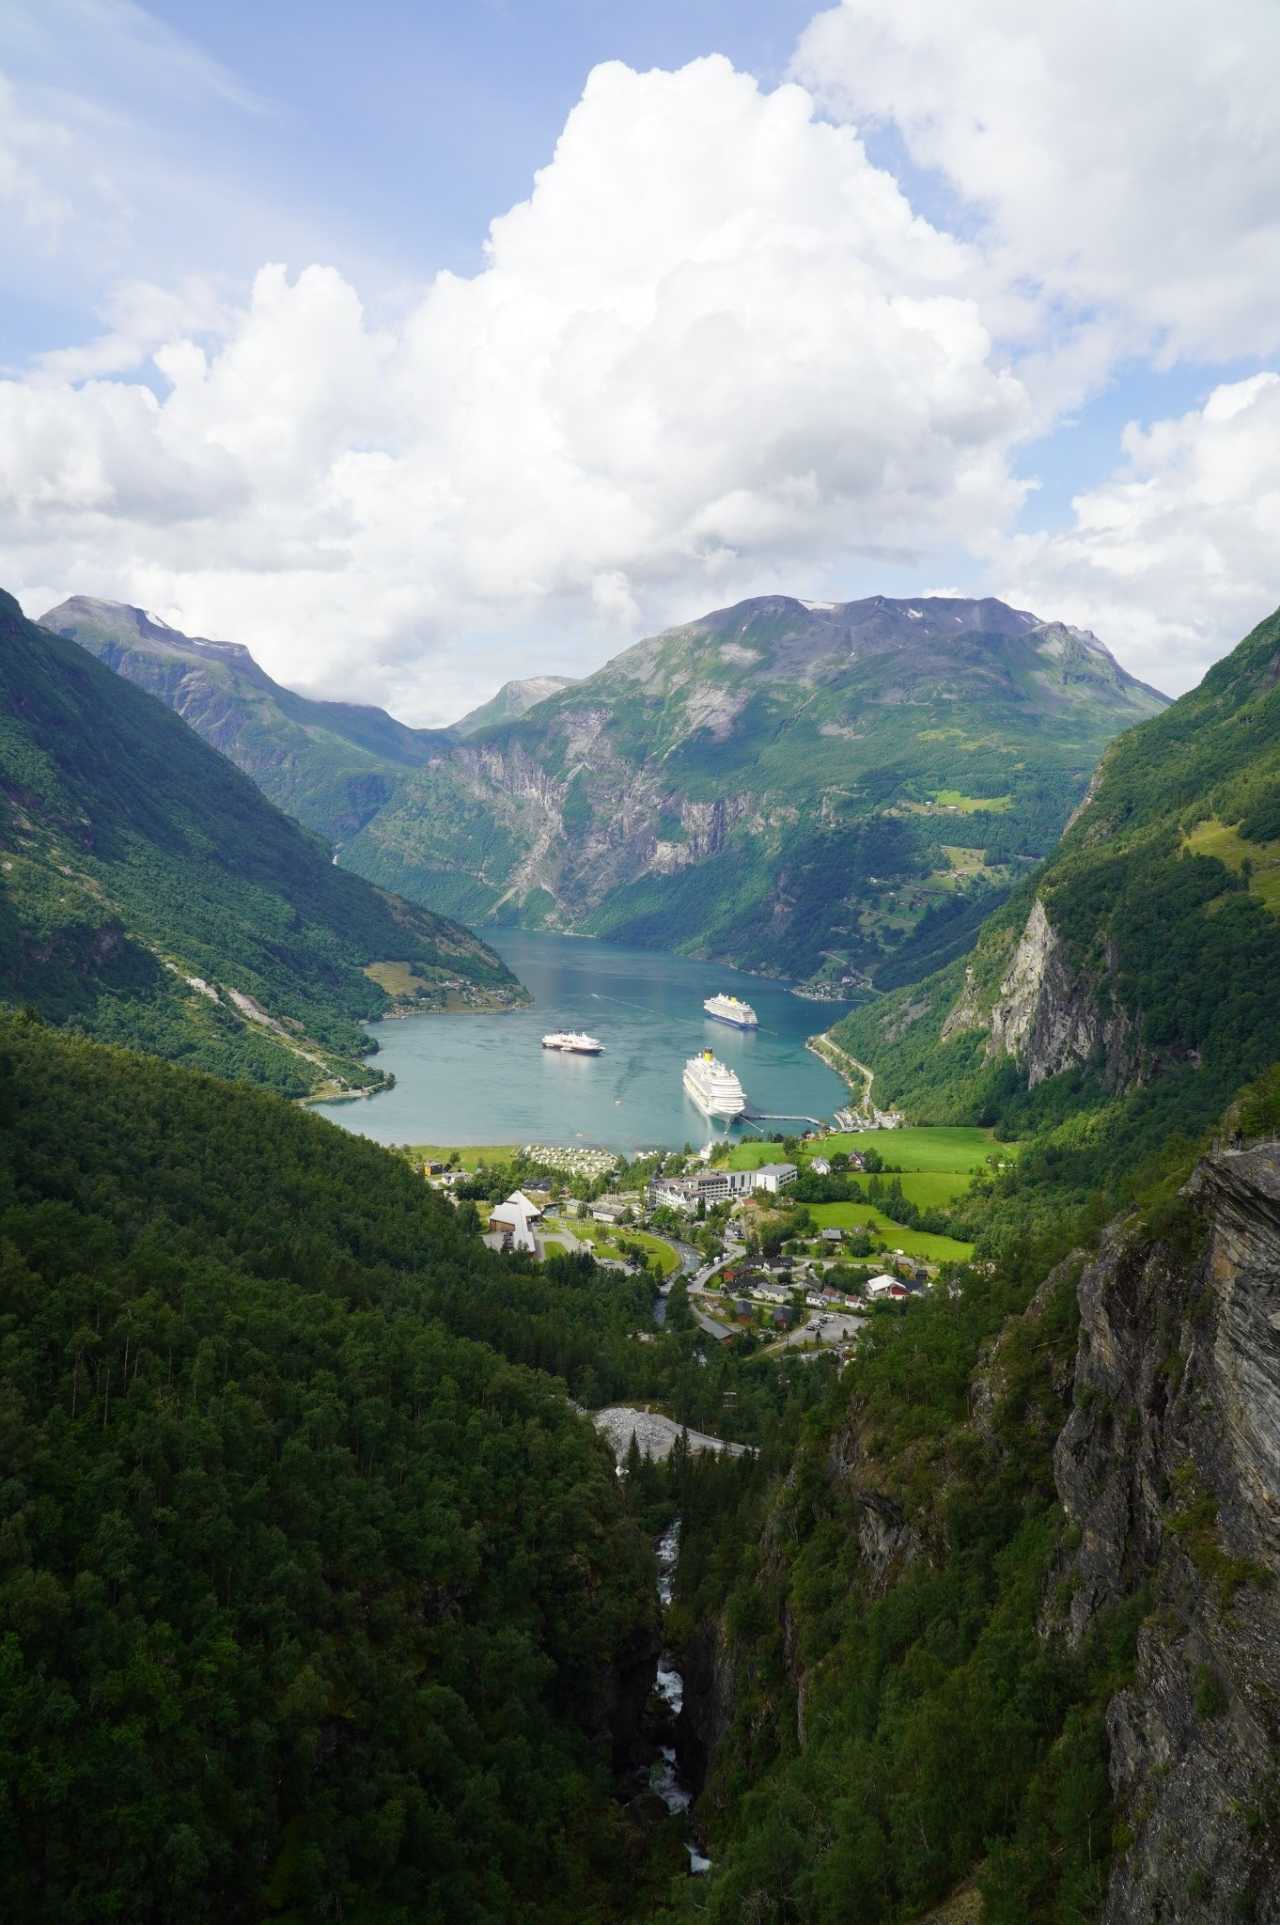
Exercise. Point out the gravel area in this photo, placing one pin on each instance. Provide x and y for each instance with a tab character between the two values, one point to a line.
654	1434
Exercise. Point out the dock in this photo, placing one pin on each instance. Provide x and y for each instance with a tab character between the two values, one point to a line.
765	1116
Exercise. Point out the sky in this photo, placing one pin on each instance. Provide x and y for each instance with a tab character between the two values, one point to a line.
419	348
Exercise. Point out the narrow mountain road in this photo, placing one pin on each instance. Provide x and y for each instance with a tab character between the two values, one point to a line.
842	1063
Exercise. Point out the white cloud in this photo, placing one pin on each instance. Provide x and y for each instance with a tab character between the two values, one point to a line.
714	350
1174	557
1123	156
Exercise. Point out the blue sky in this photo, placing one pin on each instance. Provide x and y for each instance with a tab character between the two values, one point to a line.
888	298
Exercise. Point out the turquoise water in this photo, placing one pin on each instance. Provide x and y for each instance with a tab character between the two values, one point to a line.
486	1078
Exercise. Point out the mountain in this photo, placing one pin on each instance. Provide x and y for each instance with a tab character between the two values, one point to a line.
513	700
835	791
330	764
1134	975
997	1641
150	894
320	1606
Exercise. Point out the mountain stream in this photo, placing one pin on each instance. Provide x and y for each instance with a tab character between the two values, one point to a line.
664	1776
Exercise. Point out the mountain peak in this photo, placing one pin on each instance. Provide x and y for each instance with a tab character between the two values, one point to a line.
82	617
513	700
332	764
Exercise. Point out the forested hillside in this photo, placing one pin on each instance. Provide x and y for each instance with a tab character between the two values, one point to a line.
150	894
1128	989
1002	1634
828	791
309	1608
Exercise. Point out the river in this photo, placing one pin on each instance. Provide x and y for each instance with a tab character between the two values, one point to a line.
484	1078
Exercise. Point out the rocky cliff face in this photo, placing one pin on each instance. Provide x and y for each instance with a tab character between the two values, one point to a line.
1053	1016
1169	1470
793	786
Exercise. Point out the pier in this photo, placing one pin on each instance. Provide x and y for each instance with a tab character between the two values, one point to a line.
764	1116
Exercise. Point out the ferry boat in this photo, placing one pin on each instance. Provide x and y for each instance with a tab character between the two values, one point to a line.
714	1087
731	1009
573	1042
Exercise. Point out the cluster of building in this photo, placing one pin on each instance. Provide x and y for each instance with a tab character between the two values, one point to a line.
712	1186
572	1159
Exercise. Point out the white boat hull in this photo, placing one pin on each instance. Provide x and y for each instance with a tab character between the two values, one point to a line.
719	1109
734	1022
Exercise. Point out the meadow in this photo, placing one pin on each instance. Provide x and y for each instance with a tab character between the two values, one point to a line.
895	1236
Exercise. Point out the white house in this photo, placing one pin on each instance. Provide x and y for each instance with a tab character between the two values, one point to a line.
886	1286
772	1177
820	1166
514	1223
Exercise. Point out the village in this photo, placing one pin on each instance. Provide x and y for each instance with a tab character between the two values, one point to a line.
784	1244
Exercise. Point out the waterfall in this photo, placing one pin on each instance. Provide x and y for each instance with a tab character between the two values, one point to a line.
664	1776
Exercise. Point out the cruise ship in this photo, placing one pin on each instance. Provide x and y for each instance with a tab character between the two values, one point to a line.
573	1042
732	1009
714	1087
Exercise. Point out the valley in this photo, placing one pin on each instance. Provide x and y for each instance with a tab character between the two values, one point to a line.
835	794
955	1437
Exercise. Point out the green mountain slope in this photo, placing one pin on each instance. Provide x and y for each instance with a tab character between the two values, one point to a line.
150	894
997	1643
330	764
1132	982
513	700
836	792
310	1608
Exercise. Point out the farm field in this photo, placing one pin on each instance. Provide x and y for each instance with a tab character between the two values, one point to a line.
954	1149
927	1189
915	1243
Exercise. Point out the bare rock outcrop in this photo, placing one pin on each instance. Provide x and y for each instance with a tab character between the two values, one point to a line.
1169	1470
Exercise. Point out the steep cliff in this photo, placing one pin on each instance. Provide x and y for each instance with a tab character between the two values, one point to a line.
1146	943
1169	1472
1010	1626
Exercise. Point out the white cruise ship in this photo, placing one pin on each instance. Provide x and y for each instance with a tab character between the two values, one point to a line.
714	1087
573	1042
732	1009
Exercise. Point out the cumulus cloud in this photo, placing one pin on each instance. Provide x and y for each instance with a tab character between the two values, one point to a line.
1120	156
714	350
1174	556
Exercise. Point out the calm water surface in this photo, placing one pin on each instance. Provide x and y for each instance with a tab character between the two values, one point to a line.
485	1078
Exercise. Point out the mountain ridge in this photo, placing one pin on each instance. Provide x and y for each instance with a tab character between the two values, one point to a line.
1138	956
150	893
771	781
332	764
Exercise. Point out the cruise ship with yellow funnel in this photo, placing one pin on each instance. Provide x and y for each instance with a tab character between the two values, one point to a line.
713	1086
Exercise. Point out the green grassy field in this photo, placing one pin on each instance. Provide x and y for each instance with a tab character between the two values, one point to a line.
1214	838
914	1243
604	1241
927	1189
469	1155
948	1149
